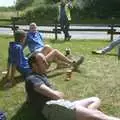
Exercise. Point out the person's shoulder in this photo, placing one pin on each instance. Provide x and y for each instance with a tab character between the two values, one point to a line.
18	46
28	33
34	79
69	5
40	34
32	76
37	32
15	45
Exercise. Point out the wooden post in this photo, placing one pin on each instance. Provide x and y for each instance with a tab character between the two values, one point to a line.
55	30
14	27
13	24
112	30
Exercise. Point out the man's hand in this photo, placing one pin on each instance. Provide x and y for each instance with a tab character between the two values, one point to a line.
58	95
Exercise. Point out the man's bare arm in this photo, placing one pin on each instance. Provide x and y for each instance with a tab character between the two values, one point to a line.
46	91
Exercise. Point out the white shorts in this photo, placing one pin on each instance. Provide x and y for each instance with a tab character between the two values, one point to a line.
39	49
59	110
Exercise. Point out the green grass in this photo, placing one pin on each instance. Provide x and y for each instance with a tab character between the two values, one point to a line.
98	76
7	15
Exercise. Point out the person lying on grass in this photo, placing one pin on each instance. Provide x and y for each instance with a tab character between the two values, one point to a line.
44	99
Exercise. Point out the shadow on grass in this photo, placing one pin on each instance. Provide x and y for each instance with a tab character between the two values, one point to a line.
18	79
55	72
27	113
109	54
3	82
58	41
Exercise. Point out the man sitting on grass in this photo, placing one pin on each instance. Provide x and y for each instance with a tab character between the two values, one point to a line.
51	103
17	60
35	40
36	43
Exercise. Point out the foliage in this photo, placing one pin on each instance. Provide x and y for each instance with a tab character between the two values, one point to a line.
36	10
102	9
83	9
42	14
22	4
7	9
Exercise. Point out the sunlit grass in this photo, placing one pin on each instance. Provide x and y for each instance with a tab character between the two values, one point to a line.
98	76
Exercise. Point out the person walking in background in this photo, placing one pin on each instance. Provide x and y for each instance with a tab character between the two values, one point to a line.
64	17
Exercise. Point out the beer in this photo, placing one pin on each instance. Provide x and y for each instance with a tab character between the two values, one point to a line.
68	75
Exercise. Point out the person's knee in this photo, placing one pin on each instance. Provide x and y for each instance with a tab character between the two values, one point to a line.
96	99
55	51
48	46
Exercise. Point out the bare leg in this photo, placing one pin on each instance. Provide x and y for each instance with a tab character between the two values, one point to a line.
55	55
91	103
10	75
46	50
13	70
8	71
83	113
86	109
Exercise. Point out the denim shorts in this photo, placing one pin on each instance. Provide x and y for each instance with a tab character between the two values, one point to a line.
59	110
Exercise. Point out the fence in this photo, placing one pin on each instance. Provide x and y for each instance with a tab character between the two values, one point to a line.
110	28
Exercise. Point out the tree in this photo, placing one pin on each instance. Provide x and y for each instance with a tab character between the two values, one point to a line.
22	4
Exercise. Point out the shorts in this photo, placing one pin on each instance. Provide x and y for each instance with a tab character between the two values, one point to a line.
39	49
59	110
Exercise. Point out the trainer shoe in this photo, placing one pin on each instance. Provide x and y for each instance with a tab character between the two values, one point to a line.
76	64
98	52
67	38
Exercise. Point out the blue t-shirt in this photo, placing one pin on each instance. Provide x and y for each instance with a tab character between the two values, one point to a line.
34	41
16	57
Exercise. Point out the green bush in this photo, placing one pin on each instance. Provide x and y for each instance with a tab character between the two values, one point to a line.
42	14
47	13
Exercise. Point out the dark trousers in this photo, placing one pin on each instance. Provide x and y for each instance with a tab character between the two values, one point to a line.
65	24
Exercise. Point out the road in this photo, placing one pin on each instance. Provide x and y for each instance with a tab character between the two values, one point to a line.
75	34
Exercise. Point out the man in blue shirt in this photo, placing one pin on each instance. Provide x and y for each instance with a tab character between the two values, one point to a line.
36	44
16	58
35	41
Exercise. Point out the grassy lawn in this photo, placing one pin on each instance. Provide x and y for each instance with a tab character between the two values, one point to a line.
97	76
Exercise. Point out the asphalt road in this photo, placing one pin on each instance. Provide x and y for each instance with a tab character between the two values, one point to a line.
74	34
